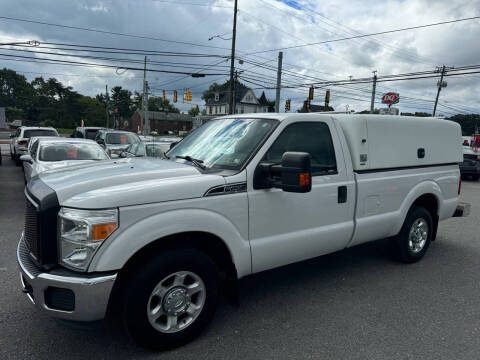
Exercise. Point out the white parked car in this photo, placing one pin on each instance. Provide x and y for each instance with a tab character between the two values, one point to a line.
19	139
52	153
245	193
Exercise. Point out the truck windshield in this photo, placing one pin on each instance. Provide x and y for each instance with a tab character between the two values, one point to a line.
224	143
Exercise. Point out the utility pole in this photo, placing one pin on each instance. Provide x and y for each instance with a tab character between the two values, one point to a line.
234	91
372	104
146	129
440	84
106	106
279	82
232	58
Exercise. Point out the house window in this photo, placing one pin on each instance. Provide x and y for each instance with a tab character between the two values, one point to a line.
210	110
241	109
217	96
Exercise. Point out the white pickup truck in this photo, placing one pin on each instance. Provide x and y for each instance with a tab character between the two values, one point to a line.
155	239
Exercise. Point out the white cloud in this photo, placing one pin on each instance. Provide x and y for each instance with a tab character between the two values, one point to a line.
268	24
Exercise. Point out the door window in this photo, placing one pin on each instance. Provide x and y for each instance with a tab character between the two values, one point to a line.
311	137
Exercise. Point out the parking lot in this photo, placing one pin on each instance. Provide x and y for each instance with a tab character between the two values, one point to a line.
354	304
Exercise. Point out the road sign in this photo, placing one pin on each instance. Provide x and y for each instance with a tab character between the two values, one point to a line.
390	98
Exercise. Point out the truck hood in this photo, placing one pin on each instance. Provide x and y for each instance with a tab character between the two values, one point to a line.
44	166
126	182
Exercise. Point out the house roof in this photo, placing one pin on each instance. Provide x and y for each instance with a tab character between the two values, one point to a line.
315	108
240	91
263	99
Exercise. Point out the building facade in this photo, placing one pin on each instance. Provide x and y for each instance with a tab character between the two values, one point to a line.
162	122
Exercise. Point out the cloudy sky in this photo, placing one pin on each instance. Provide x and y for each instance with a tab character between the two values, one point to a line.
186	25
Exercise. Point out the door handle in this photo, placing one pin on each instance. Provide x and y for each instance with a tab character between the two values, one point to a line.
342	194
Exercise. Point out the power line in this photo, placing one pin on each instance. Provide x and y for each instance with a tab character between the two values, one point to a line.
77	63
366	35
110	32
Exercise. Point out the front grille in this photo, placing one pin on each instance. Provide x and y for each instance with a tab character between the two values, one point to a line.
26	259
31	229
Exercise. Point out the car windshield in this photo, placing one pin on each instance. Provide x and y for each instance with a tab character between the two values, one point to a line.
121	138
71	151
137	149
224	143
156	149
38	132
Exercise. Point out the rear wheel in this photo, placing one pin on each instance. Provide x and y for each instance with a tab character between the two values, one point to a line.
411	244
170	298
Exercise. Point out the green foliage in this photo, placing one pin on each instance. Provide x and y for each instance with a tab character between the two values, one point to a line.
470	123
221	88
49	102
13	113
193	111
158	104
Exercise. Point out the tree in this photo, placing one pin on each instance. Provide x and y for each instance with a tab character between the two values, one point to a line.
122	100
221	88
158	104
15	92
469	123
194	111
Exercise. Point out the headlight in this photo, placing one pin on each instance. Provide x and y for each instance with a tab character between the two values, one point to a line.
82	232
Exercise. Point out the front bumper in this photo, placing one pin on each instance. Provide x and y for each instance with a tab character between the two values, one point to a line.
63	293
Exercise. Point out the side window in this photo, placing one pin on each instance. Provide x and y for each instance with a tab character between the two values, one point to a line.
311	137
34	150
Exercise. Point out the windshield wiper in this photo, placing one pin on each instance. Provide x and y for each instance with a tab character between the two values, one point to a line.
198	163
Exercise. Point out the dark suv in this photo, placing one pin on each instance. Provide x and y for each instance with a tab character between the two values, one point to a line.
470	167
88	132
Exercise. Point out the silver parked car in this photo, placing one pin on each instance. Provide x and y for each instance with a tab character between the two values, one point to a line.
19	139
116	141
46	154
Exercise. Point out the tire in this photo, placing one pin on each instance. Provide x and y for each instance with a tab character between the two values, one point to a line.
160	272
419	223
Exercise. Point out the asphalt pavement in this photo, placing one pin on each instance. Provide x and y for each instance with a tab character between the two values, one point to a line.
354	304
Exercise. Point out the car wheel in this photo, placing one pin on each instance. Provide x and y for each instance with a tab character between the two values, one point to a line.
411	244
170	299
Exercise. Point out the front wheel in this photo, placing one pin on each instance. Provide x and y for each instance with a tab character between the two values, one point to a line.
170	299
411	244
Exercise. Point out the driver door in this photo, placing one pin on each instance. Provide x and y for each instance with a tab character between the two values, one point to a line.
287	227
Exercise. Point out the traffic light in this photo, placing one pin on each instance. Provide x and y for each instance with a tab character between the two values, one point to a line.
287	105
175	96
189	95
164	96
327	97
310	93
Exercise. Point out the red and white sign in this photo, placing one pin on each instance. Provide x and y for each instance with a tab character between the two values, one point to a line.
391	98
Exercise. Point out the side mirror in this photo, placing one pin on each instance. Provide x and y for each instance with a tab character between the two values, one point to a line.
26	158
294	174
172	145
100	141
12	136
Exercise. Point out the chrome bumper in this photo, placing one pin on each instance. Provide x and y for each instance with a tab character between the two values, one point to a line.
462	210
90	294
